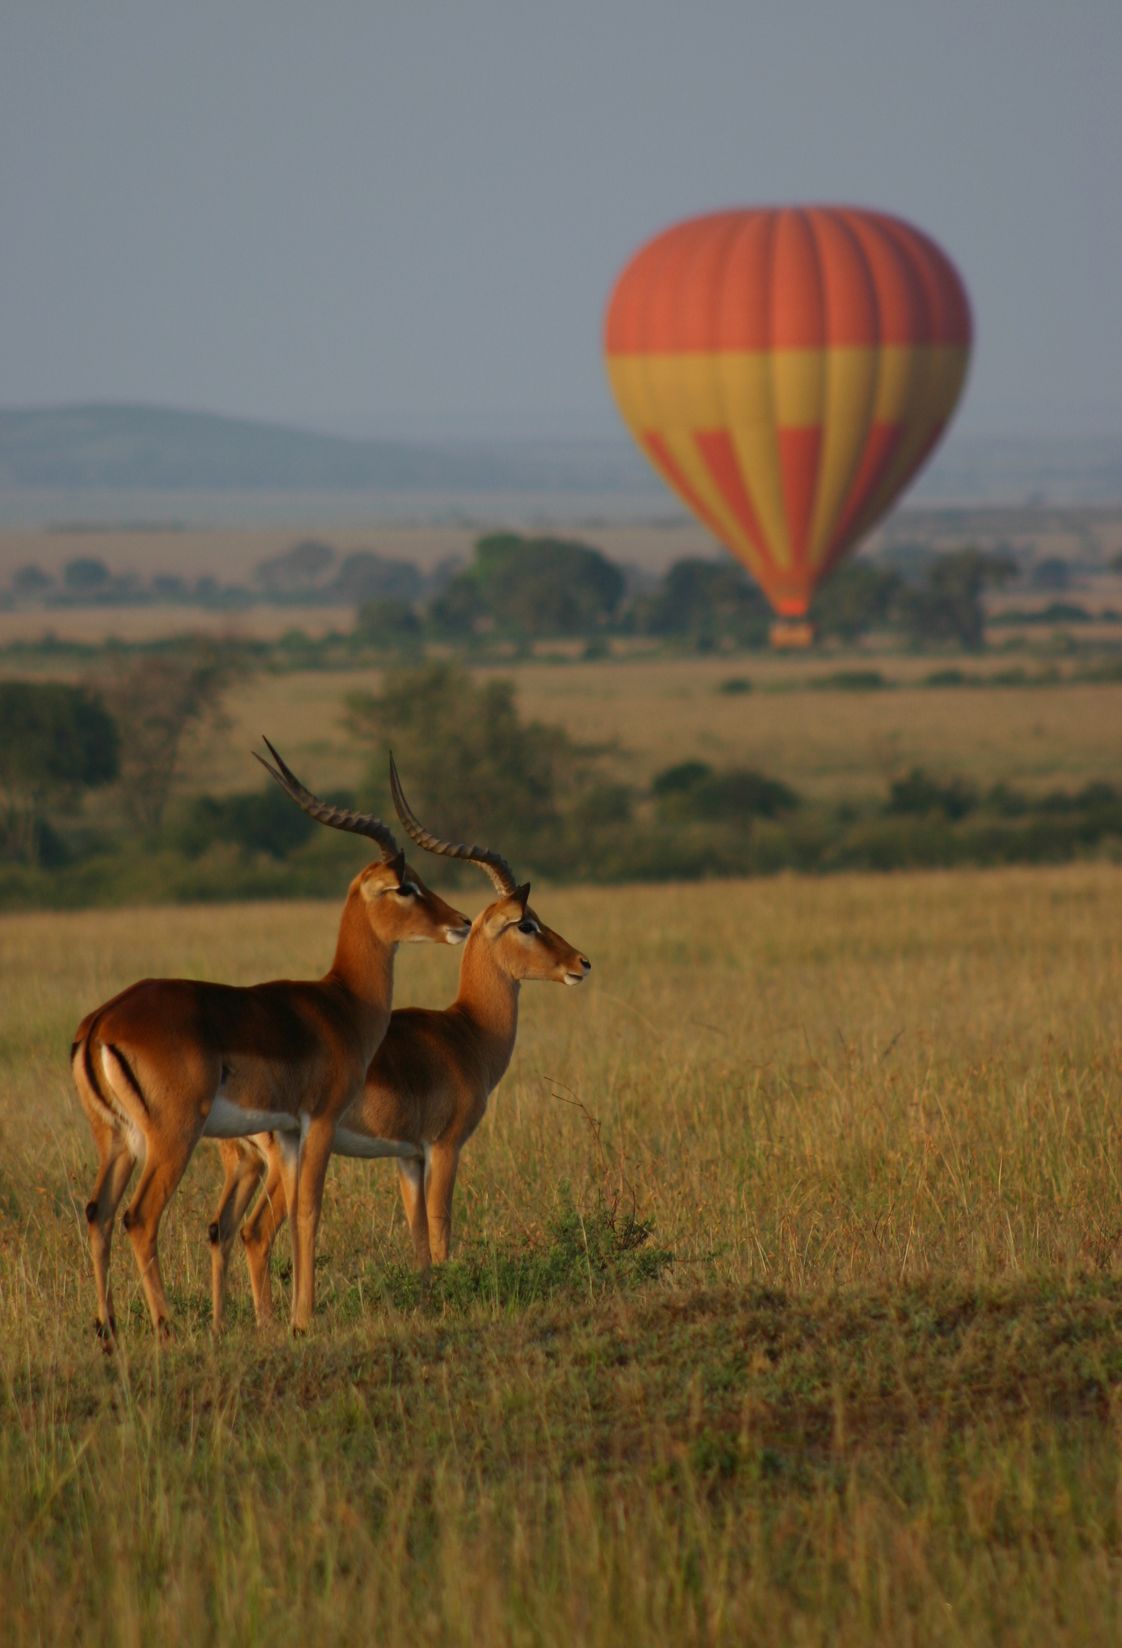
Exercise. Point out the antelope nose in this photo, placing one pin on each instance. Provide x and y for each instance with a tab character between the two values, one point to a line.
586	964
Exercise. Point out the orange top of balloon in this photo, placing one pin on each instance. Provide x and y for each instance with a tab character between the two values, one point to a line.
787	370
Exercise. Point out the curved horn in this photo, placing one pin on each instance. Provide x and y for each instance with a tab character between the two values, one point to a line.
492	864
340	818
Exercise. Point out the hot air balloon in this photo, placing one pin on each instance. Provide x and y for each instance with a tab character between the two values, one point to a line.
787	370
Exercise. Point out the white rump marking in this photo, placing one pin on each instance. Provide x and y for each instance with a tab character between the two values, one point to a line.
231	1121
118	1106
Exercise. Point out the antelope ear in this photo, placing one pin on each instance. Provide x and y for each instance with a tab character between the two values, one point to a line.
397	865
522	894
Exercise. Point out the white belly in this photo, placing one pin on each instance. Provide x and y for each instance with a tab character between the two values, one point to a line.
233	1121
348	1143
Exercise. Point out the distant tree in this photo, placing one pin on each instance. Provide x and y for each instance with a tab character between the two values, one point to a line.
262	821
442	574
296	571
947	605
1052	574
707	604
55	740
546	586
390	625
366	576
168	586
86	575
460	610
472	767
31	581
856	598
157	701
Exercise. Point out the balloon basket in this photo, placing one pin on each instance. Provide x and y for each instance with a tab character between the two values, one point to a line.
791	634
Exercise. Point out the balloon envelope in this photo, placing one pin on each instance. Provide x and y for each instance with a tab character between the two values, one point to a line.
787	370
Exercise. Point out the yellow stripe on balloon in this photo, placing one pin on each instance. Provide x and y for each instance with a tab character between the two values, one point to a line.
758	456
847	416
798	377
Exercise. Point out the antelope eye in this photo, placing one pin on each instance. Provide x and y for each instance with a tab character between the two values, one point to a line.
407	890
528	927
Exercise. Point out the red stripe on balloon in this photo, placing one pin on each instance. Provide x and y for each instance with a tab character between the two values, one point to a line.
719	453
799	451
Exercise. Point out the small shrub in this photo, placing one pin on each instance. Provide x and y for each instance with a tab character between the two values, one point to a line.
680	779
853	680
598	1252
918	792
693	790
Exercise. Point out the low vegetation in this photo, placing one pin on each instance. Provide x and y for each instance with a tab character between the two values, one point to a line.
875	1396
518	590
563	806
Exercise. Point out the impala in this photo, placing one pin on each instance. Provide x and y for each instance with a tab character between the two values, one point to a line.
427	1087
169	1061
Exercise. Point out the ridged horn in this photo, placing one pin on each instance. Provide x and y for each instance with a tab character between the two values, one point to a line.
339	818
492	864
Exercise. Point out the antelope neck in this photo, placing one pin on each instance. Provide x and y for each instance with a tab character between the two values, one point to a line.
363	961
488	994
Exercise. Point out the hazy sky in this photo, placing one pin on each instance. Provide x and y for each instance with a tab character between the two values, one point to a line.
416	209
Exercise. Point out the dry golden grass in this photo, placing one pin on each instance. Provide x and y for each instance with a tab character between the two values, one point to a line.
878	1399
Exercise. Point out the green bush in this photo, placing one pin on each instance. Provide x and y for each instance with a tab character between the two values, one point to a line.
264	821
692	789
918	792
604	1250
852	680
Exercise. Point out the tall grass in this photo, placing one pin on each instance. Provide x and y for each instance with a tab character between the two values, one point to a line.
874	1398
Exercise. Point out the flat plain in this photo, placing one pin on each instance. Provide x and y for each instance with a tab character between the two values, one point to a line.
876	1397
652	713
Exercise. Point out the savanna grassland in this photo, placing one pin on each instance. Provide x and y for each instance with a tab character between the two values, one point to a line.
786	1307
658	711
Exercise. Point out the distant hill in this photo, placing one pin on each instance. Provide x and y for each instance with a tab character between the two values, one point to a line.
121	448
125	447
75	459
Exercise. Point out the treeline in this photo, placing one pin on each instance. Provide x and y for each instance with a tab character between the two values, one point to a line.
309	574
520	590
477	771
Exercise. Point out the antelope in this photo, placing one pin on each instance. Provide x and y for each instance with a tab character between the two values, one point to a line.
170	1061
427	1086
